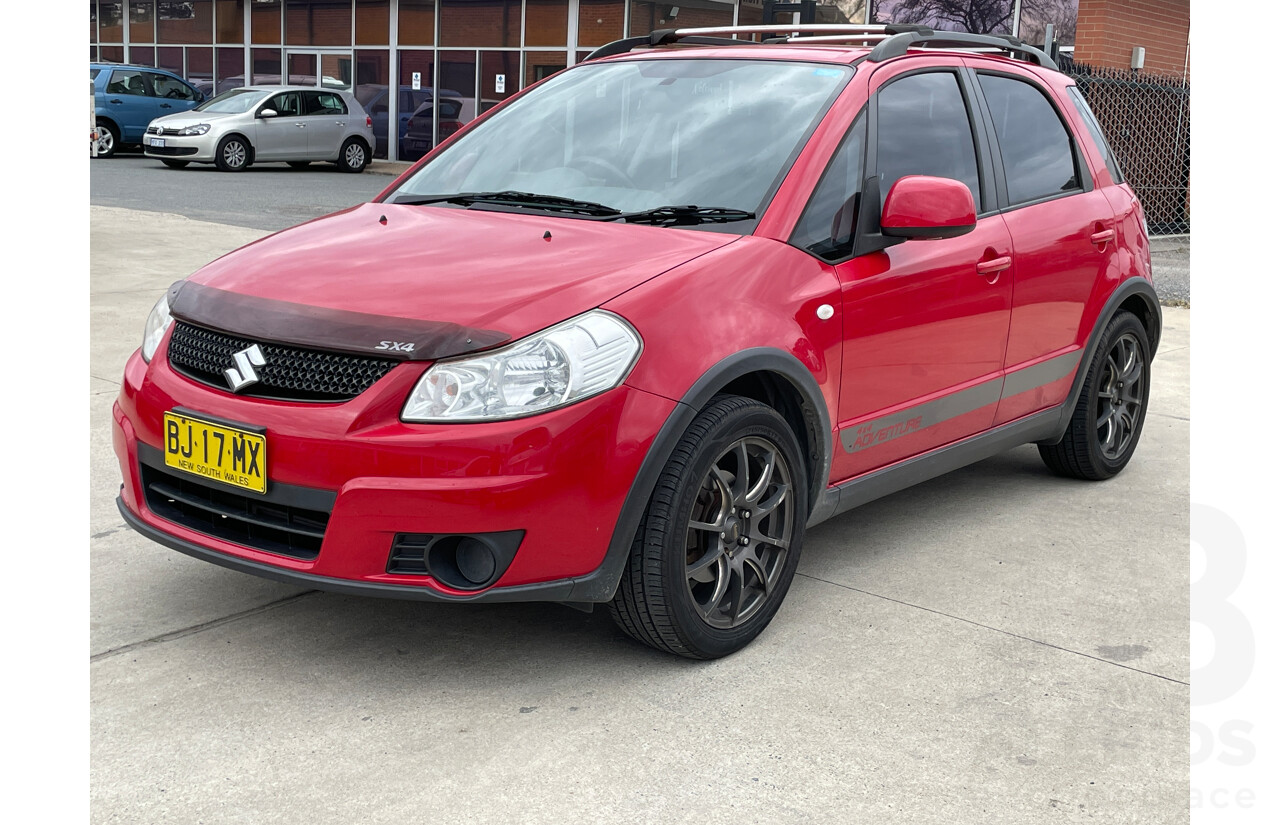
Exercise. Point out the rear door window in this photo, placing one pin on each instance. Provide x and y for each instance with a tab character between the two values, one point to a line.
924	129
1034	144
127	82
324	103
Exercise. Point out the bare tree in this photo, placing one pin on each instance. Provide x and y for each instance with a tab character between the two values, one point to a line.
978	16
1037	13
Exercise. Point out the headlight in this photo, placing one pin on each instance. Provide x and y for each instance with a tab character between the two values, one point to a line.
556	367
198	129
157	323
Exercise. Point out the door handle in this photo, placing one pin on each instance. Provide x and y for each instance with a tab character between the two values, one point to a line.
115	100
165	106
300	125
340	122
994	266
1103	237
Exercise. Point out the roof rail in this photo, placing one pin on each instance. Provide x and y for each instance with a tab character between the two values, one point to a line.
778	33
892	40
898	45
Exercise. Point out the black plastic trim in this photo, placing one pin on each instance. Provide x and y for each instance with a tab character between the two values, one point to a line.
1133	286
600	584
551	591
898	45
286	495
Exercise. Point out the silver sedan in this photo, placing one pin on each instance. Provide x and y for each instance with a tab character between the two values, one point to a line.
262	124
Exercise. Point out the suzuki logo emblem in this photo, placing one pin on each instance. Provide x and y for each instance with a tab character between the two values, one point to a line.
242	374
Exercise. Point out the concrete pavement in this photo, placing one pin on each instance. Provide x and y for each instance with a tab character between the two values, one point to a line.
997	645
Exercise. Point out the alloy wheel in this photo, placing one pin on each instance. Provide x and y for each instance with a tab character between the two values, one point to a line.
1120	396
355	156
106	140
738	534
234	154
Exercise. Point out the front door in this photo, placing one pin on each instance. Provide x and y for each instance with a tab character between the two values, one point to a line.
283	137
925	324
130	103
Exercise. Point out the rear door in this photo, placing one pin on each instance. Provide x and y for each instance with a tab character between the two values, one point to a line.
925	330
327	119
1063	231
130	103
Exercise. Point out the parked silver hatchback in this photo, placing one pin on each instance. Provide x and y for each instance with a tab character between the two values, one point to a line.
265	124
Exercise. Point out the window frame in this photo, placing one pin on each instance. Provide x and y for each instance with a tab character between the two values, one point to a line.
147	90
861	121
1099	139
1084	175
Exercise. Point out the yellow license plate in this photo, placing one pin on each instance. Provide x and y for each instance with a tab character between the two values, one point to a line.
217	452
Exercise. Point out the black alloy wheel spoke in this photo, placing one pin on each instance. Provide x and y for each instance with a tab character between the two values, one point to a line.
1120	396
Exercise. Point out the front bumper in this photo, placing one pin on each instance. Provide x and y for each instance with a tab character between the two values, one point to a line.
199	148
560	477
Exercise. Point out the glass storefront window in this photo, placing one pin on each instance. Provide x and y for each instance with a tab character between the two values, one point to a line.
317	23
265	21
679	14
200	67
93	23
417	23
266	66
170	58
538	65
415	105
600	21
479	23
230	70
142	55
142	22
188	21
499	78
373	22
546	22
110	23
229	18
371	90
111	54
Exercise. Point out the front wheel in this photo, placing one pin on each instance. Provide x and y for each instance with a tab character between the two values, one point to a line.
720	540
1108	417
232	154
353	156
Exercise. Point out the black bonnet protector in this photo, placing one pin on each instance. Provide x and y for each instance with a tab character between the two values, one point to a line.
338	330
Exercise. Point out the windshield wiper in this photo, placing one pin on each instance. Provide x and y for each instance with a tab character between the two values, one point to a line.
685	215
553	203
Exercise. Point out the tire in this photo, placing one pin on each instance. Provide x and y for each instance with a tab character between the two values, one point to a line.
108	139
354	156
1107	421
706	575
299	164
175	164
233	154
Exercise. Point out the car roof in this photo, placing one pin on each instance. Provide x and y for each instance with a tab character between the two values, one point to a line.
98	64
260	87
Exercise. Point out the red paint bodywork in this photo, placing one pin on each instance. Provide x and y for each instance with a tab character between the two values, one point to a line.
910	324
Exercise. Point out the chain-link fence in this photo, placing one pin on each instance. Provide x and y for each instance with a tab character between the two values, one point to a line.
1147	121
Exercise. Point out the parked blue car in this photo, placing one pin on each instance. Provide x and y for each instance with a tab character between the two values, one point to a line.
127	98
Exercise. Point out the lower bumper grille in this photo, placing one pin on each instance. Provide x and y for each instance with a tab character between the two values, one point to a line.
249	520
171	151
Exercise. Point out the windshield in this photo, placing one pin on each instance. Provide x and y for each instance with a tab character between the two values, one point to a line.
233	101
639	135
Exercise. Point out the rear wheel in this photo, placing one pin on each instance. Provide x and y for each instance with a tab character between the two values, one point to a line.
176	164
1107	421
232	154
353	156
108	139
720	540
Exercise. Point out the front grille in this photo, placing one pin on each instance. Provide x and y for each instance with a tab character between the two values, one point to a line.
163	130
172	150
290	373
242	519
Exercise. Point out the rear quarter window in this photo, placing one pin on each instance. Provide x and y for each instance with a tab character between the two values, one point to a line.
1095	133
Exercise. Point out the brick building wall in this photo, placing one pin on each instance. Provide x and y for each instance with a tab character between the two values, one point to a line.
1108	30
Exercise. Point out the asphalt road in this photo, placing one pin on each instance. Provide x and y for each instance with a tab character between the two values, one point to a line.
997	645
267	196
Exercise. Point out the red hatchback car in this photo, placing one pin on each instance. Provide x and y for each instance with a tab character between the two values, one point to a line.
621	339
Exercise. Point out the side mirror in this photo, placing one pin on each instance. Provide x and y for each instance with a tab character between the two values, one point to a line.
923	207
267	113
